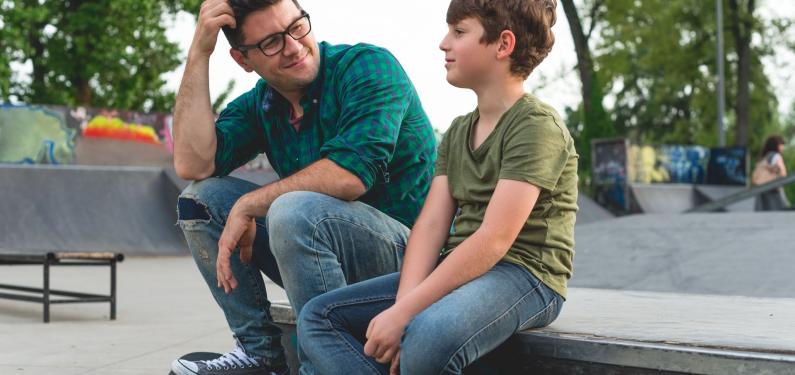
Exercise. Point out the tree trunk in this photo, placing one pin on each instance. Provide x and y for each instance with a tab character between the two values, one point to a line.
38	86
584	61
596	123
83	94
742	30
79	77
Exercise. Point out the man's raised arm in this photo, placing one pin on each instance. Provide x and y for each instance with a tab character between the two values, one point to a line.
194	121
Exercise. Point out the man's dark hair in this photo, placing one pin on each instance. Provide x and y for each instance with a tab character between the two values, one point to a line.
242	8
530	20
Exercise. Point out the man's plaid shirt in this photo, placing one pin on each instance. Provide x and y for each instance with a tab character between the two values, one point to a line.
361	112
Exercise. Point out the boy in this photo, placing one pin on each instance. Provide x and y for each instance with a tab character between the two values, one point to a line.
508	172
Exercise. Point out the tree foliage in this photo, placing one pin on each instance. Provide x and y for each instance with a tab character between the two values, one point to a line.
100	53
590	120
656	63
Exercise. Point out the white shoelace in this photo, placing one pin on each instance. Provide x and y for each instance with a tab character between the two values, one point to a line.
235	358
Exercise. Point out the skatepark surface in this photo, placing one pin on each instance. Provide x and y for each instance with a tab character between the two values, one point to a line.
165	311
717	281
749	253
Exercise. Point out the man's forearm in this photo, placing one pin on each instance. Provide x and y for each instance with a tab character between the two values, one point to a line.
324	176
194	122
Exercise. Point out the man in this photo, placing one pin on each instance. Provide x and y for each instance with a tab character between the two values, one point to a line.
344	129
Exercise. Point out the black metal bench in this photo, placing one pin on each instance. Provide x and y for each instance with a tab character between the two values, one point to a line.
47	295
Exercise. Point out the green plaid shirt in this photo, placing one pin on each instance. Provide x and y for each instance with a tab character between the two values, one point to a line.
362	112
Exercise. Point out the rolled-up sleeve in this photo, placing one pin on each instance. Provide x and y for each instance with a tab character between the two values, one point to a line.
239	138
375	95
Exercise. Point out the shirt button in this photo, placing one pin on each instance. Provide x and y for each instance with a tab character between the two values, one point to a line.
314	101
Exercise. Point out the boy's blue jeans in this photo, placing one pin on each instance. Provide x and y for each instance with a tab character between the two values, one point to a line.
443	339
309	243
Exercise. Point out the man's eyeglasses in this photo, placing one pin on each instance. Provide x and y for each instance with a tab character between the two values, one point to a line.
274	44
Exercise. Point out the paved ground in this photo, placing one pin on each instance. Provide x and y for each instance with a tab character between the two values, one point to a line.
163	312
749	254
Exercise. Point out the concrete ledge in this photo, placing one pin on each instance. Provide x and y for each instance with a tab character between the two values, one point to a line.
581	352
630	332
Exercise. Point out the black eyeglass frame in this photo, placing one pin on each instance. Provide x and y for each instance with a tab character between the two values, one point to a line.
244	48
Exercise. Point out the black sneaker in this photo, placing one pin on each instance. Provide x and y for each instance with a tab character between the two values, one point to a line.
236	362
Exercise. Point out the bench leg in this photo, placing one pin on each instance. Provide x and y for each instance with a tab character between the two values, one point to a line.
113	289
46	291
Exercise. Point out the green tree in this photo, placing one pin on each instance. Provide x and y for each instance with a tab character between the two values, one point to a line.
100	53
658	61
590	121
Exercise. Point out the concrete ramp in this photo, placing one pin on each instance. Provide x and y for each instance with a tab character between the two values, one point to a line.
712	193
590	211
663	198
131	210
749	254
678	198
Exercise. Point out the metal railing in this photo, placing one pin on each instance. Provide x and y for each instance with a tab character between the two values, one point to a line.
743	195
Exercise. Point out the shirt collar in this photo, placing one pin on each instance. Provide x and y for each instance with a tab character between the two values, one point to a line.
272	99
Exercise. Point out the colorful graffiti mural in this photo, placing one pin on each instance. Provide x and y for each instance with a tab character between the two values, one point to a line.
672	164
47	134
727	166
35	135
115	128
119	125
610	173
53	134
616	164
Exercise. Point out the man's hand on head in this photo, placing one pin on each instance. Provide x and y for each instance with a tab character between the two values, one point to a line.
214	15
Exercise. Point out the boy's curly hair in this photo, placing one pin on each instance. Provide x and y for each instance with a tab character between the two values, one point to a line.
530	20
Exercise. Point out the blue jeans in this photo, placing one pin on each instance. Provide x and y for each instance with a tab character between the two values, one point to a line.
443	339
308	243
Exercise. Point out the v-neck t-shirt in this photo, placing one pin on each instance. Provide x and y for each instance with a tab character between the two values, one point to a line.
530	143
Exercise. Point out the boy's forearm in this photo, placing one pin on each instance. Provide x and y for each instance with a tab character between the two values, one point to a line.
510	205
473	258
194	122
422	254
428	236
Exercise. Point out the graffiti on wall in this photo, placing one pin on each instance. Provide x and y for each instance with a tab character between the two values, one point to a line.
35	135
47	134
616	164
668	163
727	166
52	134
119	125
609	173
115	128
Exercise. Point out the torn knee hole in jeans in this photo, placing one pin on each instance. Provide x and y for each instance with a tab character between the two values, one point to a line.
190	210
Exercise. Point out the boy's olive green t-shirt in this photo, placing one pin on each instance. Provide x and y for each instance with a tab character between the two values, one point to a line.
530	143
